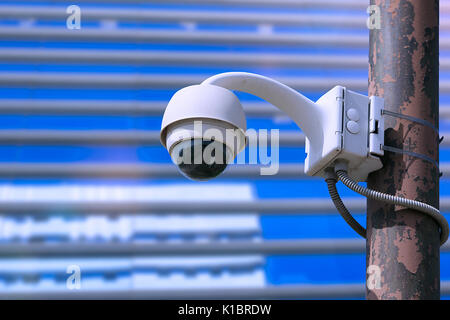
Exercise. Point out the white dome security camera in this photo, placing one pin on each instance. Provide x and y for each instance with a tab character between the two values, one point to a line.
203	129
336	126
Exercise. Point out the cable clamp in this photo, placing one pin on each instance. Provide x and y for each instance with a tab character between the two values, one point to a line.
410	118
411	154
376	131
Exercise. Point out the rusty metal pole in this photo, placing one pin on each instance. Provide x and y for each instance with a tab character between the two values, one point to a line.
403	244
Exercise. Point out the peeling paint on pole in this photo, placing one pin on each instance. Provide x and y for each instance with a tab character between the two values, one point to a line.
404	69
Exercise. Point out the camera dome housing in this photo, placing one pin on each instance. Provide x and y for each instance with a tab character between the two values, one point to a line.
203	129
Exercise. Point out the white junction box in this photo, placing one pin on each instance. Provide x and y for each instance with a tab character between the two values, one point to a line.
352	129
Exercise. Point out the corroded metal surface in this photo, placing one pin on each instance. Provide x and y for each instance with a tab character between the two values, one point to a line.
404	69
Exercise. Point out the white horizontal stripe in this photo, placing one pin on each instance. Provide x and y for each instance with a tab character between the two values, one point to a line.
173	15
140	281
59	266
172	192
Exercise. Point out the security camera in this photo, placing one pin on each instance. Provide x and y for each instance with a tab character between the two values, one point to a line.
204	125
203	129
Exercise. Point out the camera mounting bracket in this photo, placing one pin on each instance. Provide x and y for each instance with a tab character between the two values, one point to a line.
341	125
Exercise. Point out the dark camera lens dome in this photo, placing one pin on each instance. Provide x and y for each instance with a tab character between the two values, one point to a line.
200	159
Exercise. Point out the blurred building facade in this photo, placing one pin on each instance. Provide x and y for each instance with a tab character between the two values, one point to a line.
80	111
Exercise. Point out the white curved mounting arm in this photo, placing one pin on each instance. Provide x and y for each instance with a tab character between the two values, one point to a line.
305	113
